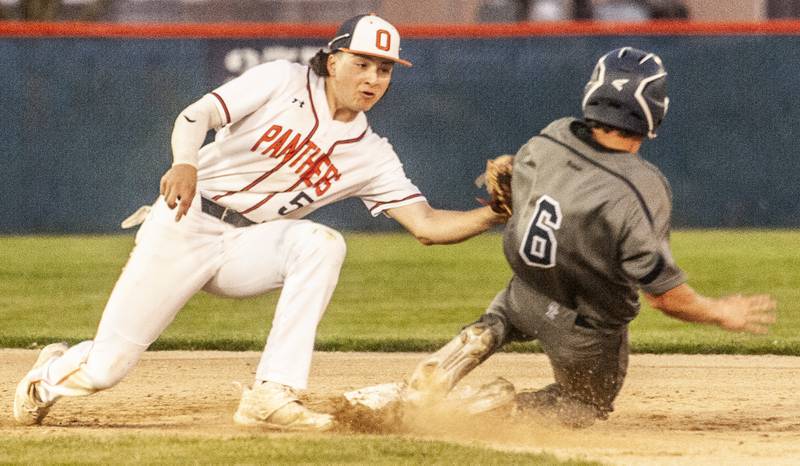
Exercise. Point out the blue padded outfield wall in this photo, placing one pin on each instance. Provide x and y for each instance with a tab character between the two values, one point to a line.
87	121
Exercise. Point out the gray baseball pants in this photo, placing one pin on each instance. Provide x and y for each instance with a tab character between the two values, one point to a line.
589	360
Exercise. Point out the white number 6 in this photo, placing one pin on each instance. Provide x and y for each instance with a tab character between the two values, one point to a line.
539	247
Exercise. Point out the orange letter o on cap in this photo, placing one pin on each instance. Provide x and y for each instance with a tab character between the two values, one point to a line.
383	40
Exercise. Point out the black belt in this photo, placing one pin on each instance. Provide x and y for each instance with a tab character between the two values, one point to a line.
225	214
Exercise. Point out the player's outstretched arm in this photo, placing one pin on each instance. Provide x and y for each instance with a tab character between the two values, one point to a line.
434	226
737	313
179	183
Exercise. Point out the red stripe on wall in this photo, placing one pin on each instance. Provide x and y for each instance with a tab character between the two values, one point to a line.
164	30
417	31
601	28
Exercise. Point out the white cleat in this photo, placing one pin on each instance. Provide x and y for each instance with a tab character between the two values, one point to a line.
28	409
435	376
276	406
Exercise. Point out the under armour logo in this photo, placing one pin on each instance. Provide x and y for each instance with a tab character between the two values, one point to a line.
552	310
618	83
296	100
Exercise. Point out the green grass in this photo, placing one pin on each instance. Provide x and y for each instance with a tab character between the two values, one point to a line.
149	449
393	295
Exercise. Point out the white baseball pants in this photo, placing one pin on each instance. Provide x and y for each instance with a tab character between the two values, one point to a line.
172	261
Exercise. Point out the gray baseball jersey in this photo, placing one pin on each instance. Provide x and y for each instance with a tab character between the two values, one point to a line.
590	226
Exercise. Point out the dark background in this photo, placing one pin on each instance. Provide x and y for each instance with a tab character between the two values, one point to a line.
86	122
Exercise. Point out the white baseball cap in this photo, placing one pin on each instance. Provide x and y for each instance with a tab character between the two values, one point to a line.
368	35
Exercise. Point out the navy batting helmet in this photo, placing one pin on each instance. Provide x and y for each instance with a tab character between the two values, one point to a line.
628	90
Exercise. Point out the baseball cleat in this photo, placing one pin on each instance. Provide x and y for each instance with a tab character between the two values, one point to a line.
550	402
435	376
492	396
542	400
276	406
28	408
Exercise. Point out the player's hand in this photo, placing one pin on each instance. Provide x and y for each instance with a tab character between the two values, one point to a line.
753	314
179	184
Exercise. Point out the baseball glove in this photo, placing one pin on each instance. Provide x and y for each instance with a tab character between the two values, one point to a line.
497	179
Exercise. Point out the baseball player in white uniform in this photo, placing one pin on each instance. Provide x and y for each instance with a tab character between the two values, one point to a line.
290	139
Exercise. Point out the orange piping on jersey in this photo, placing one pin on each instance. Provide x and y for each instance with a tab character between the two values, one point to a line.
306	174
378	204
224	107
282	162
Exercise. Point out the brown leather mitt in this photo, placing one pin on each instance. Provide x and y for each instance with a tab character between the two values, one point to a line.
497	179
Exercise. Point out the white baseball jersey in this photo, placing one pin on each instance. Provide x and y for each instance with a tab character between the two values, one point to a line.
280	154
278	157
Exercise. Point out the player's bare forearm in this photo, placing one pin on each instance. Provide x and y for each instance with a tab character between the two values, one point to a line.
736	313
435	226
683	303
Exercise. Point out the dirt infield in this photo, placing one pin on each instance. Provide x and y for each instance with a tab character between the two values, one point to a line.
672	410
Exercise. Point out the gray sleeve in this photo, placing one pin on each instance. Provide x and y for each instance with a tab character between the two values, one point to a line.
645	255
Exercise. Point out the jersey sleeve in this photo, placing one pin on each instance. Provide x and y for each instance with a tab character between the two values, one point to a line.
243	95
390	188
646	255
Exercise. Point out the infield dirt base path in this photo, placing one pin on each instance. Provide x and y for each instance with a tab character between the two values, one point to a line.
674	409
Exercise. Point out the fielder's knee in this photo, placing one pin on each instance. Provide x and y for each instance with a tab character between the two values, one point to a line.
323	243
